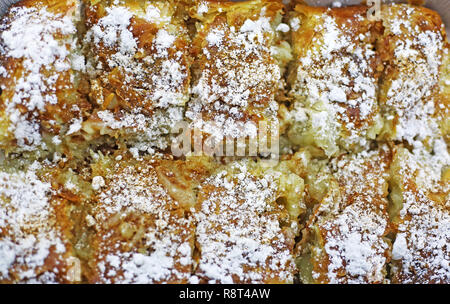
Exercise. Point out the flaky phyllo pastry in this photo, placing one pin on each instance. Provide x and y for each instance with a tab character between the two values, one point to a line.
341	122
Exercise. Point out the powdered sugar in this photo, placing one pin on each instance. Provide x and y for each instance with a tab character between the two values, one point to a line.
136	190
144	132
159	77
417	57
97	182
356	245
282	27
294	23
112	30
27	226
164	40
328	93
155	14
237	75
153	82
75	126
422	242
421	253
30	35
202	8
125	190
238	231
352	220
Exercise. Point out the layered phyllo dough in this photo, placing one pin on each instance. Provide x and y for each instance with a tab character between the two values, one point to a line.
42	101
157	220
247	220
141	228
139	68
239	60
37	214
421	215
333	82
202	141
345	240
413	48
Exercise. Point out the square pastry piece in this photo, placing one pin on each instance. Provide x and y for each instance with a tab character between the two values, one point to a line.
421	214
41	88
35	226
412	48
246	223
345	238
141	226
333	80
239	59
139	66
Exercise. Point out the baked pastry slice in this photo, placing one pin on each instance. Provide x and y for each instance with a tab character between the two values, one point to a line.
345	239
412	49
444	87
36	221
239	59
139	67
333	79
246	222
41	102
421	214
141	228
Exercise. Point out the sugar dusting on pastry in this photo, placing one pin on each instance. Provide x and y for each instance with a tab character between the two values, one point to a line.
135	189
335	84
417	58
420	252
352	220
153	72
29	35
238	77
28	228
162	85
238	230
369	212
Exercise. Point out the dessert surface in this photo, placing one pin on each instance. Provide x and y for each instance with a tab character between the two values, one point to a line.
201	141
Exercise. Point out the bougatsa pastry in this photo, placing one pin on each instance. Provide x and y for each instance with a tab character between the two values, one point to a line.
139	68
239	61
345	240
444	87
142	228
247	221
36	219
421	215
412	47
90	191
148	225
333	81
42	100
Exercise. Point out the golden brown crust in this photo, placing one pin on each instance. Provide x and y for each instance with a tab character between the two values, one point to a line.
143	231
139	67
136	86
420	213
333	80
244	232
39	103
412	48
96	207
345	238
36	228
234	37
